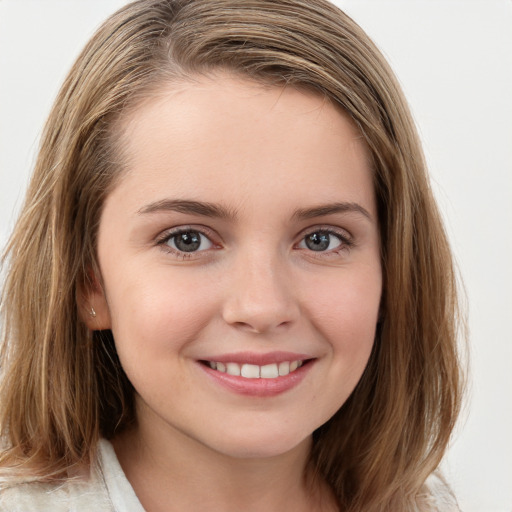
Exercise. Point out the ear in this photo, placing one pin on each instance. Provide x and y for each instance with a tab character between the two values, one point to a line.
92	304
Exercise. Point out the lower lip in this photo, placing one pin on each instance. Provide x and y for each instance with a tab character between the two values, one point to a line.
259	387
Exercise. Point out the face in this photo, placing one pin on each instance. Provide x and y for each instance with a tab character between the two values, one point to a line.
240	264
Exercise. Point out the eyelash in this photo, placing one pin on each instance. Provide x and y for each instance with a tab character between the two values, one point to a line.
169	235
346	241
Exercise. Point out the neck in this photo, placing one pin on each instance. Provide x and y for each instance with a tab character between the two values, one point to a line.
170	471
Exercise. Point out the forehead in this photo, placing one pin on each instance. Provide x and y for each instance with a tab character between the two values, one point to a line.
223	134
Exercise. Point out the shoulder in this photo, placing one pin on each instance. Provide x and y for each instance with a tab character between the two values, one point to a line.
81	495
437	496
32	496
103	489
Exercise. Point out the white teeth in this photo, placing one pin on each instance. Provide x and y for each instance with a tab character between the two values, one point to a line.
253	371
233	369
269	371
284	368
250	371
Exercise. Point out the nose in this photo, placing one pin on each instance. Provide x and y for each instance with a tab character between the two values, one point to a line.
260	296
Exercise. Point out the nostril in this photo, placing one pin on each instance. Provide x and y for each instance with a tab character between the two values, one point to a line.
260	327
259	303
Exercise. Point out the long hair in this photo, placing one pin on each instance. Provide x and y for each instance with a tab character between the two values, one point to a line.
63	386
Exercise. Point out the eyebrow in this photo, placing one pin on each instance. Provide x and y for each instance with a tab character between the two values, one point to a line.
191	207
206	209
330	209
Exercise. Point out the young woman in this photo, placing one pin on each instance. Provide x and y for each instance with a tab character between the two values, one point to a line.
229	286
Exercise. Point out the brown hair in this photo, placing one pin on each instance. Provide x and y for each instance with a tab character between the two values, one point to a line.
63	386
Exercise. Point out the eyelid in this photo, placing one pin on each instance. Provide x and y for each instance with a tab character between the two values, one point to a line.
346	238
344	235
167	234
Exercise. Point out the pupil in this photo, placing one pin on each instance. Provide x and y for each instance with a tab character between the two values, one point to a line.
317	241
188	242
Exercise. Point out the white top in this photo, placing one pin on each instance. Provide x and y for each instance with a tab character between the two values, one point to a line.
121	495
108	490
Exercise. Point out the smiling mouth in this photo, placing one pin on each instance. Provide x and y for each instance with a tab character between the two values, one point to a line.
254	371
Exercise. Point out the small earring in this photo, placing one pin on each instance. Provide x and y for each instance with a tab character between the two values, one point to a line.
92	312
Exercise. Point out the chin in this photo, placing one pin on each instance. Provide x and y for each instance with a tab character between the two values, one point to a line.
259	445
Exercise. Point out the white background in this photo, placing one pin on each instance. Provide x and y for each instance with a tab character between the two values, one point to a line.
454	60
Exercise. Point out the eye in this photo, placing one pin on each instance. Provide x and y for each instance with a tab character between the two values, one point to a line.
187	241
323	241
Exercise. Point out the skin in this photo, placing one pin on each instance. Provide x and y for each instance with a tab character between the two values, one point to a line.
264	155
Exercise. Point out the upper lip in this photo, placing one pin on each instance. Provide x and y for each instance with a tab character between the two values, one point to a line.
258	359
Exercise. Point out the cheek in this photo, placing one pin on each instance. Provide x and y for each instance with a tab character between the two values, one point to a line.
154	321
344	308
159	312
344	311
